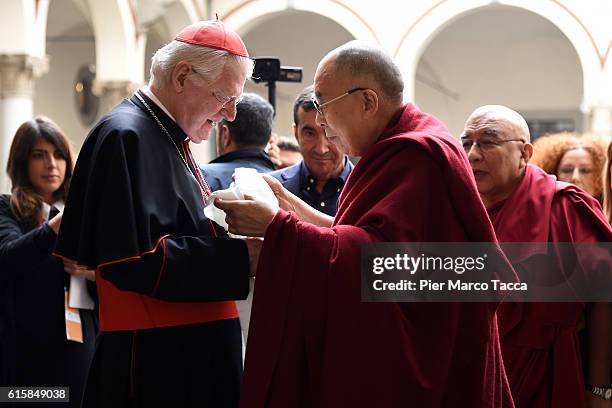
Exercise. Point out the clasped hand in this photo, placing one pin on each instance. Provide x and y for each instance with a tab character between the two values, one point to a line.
70	266
250	217
246	217
73	269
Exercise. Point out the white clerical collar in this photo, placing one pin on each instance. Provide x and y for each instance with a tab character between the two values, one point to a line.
46	208
147	91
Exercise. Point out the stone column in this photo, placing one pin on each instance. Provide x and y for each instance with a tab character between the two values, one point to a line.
17	74
600	120
111	93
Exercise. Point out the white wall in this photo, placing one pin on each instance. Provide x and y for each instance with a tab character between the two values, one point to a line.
69	45
54	92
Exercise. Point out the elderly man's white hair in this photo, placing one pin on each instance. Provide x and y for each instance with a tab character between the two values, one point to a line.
208	62
500	112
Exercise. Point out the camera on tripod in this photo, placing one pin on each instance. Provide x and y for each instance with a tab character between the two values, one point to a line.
269	69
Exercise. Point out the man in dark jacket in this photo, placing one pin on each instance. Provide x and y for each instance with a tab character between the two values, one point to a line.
241	143
320	177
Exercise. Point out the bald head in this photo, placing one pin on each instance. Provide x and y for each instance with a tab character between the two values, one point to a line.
500	113
360	60
358	89
496	141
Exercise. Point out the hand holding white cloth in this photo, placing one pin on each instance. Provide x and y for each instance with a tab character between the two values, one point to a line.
247	182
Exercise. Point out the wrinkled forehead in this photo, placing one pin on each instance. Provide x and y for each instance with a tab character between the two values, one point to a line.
327	79
490	125
232	79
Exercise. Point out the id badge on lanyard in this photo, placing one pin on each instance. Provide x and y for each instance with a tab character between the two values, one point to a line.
74	328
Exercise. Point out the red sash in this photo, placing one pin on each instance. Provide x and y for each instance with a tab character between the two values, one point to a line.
123	310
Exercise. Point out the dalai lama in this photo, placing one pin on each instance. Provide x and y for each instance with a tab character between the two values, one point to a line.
313	343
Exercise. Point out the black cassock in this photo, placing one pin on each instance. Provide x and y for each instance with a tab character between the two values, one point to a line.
167	276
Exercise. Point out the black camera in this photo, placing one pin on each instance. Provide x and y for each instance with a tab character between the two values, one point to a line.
269	69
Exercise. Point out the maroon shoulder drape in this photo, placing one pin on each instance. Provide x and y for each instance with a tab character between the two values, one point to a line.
313	343
539	340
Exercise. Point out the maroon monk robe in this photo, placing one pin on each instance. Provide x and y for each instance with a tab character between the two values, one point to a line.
313	343
539	340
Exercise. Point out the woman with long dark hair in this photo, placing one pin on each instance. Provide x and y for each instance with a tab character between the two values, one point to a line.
47	325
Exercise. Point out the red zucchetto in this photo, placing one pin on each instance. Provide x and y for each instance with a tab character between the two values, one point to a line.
213	34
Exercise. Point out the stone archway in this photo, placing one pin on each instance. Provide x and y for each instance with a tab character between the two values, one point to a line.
252	13
418	36
262	39
114	26
601	115
502	55
69	44
179	15
161	24
22	59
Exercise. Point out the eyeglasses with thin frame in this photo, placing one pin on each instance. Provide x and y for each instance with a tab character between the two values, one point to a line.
486	145
319	106
224	100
